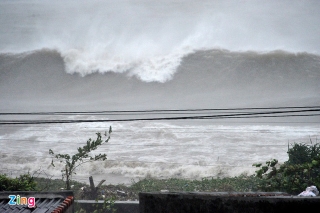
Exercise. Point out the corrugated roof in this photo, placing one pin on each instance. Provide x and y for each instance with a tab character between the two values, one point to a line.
45	203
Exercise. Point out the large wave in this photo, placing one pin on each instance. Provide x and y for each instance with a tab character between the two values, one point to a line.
148	39
219	78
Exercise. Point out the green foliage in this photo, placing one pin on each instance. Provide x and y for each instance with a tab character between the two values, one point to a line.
302	153
81	157
23	183
301	170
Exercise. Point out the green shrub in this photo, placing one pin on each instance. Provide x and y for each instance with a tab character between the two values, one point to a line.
23	183
300	171
302	153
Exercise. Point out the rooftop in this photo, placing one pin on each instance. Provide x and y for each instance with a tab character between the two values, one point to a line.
36	202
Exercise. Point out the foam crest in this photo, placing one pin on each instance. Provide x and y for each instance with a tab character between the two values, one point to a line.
159	68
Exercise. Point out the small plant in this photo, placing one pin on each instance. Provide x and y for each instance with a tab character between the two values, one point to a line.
106	206
81	157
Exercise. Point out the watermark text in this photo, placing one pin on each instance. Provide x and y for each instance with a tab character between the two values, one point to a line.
17	200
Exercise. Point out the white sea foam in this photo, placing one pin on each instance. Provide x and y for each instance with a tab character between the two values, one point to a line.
157	149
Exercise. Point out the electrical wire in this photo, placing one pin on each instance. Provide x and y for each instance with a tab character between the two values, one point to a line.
161	111
260	114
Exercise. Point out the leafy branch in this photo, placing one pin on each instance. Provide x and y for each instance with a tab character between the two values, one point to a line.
81	157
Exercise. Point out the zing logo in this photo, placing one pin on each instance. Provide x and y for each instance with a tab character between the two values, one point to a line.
17	200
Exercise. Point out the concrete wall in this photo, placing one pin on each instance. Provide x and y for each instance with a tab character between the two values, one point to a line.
226	202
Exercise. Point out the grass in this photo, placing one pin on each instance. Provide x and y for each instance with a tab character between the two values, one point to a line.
241	183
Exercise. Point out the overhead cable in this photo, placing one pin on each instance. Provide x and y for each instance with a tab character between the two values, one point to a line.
260	114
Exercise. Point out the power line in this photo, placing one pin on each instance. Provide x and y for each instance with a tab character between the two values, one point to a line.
219	116
154	111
